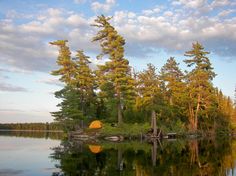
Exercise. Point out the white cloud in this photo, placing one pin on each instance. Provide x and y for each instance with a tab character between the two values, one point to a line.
12	14
14	70
190	3
77	20
5	87
220	3
176	31
168	13
79	1
51	81
103	7
154	11
25	46
225	13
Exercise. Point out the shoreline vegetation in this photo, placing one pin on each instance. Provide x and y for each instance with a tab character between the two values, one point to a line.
109	132
170	99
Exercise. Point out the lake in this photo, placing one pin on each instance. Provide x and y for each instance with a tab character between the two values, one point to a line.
41	154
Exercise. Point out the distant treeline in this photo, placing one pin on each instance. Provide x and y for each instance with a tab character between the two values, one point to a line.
33	134
31	126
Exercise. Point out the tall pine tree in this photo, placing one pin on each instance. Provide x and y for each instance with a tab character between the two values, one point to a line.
78	97
149	93
67	67
199	83
115	79
172	80
85	84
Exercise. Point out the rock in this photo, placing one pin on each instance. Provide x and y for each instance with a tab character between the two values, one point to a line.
114	138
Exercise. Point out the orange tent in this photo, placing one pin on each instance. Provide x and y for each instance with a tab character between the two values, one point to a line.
95	124
95	148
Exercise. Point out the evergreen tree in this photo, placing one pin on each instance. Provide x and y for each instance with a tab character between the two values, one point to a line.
78	97
173	88
224	111
115	79
67	67
172	80
69	114
235	96
199	83
85	84
148	89
149	93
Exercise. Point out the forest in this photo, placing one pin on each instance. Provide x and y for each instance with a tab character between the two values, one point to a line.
114	92
31	126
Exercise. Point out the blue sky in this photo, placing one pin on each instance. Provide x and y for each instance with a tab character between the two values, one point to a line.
154	31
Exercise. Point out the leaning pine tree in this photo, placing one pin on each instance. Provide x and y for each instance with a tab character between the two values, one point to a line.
115	79
78	95
85	84
69	111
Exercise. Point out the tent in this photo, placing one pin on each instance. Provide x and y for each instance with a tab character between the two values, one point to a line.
95	124
95	148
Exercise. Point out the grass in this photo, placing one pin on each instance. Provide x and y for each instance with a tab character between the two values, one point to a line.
124	129
233	126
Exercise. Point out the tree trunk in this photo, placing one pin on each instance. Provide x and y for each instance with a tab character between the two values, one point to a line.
119	113
191	117
196	112
154	123
120	159
82	124
191	114
154	152
171	101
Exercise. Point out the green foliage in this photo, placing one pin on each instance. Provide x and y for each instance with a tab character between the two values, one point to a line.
149	92
199	85
113	93
70	112
125	129
67	65
115	81
78	97
172	83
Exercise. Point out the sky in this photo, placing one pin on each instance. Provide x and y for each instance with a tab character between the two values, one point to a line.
154	30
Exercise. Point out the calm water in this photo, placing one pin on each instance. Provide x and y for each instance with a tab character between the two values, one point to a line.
33	154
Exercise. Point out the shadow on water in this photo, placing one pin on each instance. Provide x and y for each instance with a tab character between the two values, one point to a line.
168	158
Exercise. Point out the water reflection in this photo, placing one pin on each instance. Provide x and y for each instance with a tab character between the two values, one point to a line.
27	153
168	158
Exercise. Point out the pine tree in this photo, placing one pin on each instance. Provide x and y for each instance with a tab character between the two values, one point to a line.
172	80
78	97
235	96
225	110
199	83
85	84
69	112
148	88
115	79
149	93
67	69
